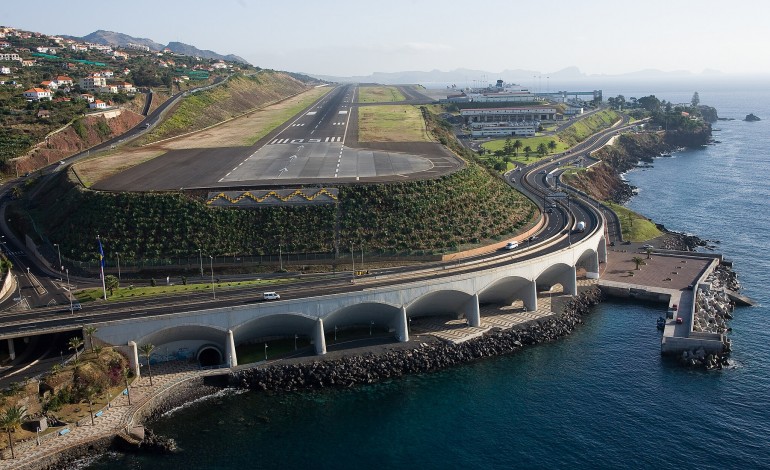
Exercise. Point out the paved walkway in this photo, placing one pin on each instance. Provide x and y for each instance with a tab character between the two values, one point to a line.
112	420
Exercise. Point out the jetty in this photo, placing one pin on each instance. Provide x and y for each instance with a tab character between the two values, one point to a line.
685	282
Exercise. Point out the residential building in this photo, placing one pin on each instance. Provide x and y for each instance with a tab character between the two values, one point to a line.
10	56
51	85
125	87
108	89
88	97
37	94
98	104
92	82
43	114
63	80
5	70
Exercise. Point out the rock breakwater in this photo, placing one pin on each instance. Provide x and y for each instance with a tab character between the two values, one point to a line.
370	368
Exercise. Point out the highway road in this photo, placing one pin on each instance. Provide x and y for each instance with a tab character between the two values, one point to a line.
531	180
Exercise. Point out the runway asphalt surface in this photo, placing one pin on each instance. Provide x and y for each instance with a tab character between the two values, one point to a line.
317	146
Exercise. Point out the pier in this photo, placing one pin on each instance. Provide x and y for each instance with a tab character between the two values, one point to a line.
671	277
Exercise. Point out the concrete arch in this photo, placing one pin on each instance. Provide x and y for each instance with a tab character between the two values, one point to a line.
443	302
589	260
559	273
181	333
279	324
505	290
362	314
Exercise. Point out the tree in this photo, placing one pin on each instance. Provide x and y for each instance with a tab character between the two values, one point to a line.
542	150
527	151
552	145
516	147
648	251
637	261
89	332
74	344
126	372
111	283
695	100
11	420
650	103
146	350
508	146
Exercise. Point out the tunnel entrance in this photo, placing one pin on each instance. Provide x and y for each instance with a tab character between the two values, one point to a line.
209	356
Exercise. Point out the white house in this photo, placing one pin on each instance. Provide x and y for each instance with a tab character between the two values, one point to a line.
108	89
63	80
88	97
98	104
37	94
5	70
51	85
93	82
125	87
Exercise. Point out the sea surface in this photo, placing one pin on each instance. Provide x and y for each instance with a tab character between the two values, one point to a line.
600	398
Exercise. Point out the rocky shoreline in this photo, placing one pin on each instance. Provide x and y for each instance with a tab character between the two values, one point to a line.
358	370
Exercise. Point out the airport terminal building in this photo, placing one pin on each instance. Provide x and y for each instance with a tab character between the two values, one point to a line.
531	113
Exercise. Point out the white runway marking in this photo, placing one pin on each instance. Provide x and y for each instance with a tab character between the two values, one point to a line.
311	113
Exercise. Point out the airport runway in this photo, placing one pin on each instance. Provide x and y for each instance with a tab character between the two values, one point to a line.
317	146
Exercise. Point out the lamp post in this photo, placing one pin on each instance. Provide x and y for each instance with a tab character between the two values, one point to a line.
335	332
200	258
58	250
118	256
371	325
295	341
69	291
265	351
212	277
353	259
280	258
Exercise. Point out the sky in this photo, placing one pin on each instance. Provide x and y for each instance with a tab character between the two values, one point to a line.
359	37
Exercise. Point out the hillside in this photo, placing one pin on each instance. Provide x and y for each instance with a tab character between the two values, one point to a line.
240	94
112	38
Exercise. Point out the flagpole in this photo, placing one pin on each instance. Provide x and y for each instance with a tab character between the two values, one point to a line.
101	265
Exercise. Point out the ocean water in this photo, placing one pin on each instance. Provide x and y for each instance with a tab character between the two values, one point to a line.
600	398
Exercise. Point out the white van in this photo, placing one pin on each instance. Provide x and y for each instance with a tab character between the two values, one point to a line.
270	296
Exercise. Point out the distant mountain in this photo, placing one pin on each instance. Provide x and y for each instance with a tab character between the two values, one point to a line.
468	77
119	39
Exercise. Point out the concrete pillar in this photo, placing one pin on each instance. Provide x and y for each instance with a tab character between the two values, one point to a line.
319	339
133	358
603	251
530	296
570	282
472	312
592	269
11	349
402	326
230	357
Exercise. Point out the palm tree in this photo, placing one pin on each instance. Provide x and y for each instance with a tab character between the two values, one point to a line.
11	420
552	145
542	149
648	251
126	372
74	344
637	261
527	151
516	146
146	350
90	394
111	283
89	332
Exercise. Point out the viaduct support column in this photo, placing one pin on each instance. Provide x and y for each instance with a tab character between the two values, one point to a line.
133	358
570	282
319	339
230	358
11	349
402	326
530	297
593	268
472	312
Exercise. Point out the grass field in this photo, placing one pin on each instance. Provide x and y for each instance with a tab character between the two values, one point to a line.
125	293
532	142
635	227
379	94
391	124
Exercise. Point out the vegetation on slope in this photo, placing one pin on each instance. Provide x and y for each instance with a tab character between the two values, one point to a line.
239	94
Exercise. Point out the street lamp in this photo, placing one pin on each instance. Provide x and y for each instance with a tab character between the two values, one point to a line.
69	291
118	255
371	325
265	351
295	341
335	332
200	258
280	258
212	277
58	250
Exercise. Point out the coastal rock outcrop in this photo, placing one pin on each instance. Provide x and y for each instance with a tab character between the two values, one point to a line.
751	118
356	370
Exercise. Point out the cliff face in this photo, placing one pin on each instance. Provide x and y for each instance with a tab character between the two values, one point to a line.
708	113
82	134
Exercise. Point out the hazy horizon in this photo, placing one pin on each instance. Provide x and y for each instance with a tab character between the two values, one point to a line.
348	38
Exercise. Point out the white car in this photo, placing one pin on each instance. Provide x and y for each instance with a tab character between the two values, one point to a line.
648	247
511	245
271	296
